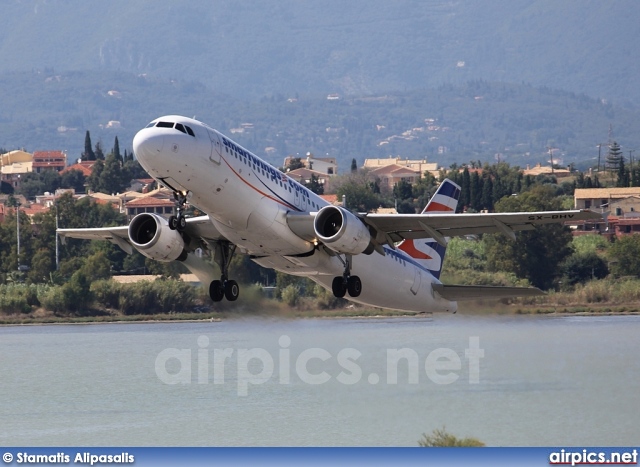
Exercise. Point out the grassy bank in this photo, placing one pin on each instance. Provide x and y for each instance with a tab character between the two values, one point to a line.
170	300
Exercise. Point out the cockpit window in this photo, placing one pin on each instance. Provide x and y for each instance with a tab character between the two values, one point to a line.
178	126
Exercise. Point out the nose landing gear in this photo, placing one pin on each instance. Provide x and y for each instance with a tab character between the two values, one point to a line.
179	222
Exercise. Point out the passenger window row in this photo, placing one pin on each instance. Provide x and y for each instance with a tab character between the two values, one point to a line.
279	180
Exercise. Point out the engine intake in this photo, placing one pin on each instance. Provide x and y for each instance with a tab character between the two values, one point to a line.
342	231
150	235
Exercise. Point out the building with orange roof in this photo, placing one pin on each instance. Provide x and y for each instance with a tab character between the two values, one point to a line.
86	167
392	174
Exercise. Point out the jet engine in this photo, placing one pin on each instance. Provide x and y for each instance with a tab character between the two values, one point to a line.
342	231
150	235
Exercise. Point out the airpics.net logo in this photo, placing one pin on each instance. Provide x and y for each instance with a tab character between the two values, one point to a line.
256	366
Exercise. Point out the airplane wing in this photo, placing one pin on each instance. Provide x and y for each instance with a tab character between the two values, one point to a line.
437	226
393	228
473	292
197	227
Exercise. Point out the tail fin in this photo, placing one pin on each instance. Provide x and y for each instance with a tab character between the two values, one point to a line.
427	251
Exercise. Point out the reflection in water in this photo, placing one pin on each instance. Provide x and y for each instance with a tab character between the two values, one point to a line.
541	381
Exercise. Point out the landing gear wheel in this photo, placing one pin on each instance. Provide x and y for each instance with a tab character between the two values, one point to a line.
354	286
338	288
173	222
216	291
182	223
231	290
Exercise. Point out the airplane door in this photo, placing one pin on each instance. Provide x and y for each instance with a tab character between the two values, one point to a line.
417	280
297	198
216	146
304	202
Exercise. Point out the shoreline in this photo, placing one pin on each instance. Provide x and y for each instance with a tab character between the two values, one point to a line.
216	317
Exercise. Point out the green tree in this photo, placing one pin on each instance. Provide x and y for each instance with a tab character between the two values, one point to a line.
99	153
624	177
73	179
294	163
41	266
354	165
132	170
613	159
33	183
422	190
77	293
403	190
315	185
116	151
88	154
360	195
405	207
465	190
535	254
487	192
95	179
582	267
475	192
111	179
440	438
625	256
97	266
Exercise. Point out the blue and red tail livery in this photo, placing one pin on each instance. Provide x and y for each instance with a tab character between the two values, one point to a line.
427	251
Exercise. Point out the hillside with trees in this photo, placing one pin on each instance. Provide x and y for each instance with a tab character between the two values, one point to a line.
478	120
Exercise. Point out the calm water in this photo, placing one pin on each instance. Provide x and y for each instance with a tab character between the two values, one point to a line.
542	381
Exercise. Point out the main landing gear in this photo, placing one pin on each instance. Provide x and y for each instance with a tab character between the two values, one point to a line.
346	283
179	222
224	288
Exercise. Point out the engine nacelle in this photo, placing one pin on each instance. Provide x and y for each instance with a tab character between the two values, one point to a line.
341	231
150	235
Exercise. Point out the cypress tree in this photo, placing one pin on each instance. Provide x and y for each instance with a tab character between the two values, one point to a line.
88	154
116	150
614	156
99	154
465	188
487	194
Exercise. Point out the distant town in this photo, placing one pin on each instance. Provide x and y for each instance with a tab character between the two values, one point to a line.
33	181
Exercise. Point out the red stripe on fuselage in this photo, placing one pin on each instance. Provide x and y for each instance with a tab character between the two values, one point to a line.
261	192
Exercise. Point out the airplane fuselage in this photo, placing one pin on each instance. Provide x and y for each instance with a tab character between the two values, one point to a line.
248	201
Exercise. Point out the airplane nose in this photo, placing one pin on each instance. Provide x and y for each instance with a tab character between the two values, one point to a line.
147	144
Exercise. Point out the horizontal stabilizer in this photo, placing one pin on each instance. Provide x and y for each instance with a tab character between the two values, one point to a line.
472	292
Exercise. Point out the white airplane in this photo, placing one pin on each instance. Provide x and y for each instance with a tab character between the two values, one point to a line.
388	261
